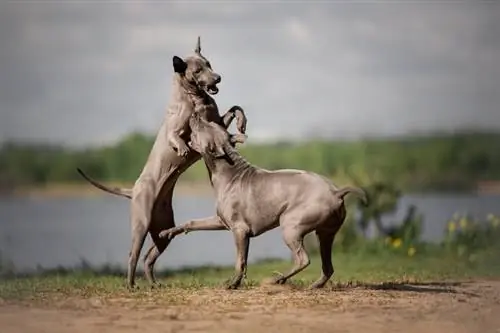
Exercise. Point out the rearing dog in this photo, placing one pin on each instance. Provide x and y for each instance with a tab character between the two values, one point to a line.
251	200
151	196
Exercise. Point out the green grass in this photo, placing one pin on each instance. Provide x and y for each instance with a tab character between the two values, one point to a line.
357	269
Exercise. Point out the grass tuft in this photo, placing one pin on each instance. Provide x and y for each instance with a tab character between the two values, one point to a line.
375	271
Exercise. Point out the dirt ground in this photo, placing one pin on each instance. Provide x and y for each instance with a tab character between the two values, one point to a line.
453	308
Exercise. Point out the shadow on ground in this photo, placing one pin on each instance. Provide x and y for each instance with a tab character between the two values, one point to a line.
449	287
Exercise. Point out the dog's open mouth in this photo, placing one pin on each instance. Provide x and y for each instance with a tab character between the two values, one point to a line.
212	89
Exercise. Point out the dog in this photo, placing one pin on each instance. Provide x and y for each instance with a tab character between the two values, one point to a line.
251	200
151	211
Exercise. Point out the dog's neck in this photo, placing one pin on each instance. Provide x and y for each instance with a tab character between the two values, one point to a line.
183	91
225	171
182	88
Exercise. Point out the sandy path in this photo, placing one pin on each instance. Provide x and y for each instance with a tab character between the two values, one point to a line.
468	307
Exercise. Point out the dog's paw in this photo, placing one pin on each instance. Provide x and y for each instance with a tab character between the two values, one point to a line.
156	286
183	150
171	233
232	285
166	234
234	282
316	285
278	278
132	288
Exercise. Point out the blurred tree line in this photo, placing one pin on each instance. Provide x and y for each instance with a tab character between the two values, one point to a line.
433	162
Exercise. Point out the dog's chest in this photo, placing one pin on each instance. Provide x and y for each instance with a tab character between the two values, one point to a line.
207	108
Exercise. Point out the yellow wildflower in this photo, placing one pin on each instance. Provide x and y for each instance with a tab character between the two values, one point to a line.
463	223
411	251
452	227
397	243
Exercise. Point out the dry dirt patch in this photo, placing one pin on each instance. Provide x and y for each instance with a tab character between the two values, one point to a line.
466	307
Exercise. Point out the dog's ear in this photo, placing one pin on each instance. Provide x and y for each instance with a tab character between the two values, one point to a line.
219	151
203	142
215	152
237	138
197	49
213	149
180	65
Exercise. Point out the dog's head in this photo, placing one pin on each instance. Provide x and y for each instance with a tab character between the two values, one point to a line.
209	138
197	71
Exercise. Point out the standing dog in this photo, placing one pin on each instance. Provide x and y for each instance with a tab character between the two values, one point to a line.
251	200
151	196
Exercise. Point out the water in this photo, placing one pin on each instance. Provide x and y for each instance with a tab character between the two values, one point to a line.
51	232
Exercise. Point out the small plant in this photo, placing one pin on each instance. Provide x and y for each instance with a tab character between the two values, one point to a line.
404	237
465	236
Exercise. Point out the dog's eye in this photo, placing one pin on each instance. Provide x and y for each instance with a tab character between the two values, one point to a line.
197	70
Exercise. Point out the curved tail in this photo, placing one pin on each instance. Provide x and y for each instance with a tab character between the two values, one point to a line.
360	193
124	192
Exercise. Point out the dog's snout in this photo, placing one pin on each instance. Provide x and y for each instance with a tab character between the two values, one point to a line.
218	78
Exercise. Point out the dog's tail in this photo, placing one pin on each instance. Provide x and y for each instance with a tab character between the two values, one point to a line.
360	193
124	192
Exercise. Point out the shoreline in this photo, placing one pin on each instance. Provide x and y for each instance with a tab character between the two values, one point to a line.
66	190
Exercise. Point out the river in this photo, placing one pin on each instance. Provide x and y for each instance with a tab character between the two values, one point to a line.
63	231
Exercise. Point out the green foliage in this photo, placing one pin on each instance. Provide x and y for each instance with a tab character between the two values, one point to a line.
351	269
348	238
466	236
437	162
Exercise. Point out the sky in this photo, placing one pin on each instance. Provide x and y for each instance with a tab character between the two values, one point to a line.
88	72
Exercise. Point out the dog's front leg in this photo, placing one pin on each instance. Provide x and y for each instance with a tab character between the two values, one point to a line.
178	144
235	112
208	223
242	242
178	123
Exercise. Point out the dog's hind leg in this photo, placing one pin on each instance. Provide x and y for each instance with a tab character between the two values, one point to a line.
141	206
157	248
162	217
294	239
326	235
139	232
325	240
